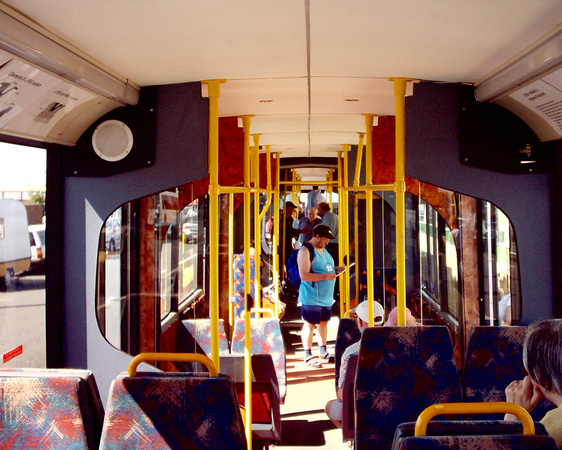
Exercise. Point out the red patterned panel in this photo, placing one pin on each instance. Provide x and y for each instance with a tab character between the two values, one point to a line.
384	165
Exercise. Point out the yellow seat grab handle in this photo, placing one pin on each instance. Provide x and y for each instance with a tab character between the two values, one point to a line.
184	357
474	408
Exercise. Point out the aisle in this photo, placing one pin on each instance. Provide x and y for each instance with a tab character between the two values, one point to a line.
304	423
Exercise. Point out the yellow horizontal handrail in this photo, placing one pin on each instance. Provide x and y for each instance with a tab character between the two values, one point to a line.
262	311
192	357
474	408
347	314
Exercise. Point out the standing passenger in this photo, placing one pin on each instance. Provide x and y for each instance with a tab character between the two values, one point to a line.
542	358
308	223
331	220
316	292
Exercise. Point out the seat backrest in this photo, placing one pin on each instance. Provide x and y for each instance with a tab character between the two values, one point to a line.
348	333
159	410
266	338
51	408
499	442
266	402
401	371
463	428
348	400
239	282
494	358
200	332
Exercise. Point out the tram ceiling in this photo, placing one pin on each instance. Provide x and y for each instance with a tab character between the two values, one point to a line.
306	70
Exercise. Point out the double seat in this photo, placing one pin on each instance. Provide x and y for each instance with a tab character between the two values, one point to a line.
269	376
403	370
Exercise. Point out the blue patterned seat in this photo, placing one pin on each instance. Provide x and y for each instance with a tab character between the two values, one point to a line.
348	334
464	428
494	358
266	338
49	408
200	333
488	442
172	411
401	371
239	291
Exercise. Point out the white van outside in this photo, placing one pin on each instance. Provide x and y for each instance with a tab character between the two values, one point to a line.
15	254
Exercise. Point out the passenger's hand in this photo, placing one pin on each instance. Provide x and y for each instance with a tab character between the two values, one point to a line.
524	393
330	276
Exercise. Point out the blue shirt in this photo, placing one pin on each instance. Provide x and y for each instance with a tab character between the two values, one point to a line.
321	292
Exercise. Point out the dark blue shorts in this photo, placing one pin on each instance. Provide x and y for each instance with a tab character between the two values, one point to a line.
316	314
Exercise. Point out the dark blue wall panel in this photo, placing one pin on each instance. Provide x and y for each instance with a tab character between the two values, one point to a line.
432	155
181	142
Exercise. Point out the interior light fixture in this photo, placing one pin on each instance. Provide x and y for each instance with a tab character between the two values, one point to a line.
525	155
543	57
25	39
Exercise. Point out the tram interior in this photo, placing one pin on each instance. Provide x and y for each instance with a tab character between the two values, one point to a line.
174	141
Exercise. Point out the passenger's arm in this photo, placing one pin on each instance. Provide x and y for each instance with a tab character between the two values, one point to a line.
303	260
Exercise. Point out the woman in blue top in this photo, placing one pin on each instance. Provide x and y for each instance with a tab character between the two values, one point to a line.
316	292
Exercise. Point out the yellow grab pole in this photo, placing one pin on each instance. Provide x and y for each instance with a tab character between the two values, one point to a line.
257	217
343	216
213	87
356	181
231	260
400	189
275	238
359	160
246	120
369	215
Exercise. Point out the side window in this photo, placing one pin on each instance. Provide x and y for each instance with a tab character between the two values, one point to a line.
149	263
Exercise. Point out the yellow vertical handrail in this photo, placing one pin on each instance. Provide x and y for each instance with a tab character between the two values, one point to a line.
231	261
213	87
400	189
257	217
358	160
275	237
369	214
246	121
343	195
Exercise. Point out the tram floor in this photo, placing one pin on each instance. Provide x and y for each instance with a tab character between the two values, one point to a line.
303	420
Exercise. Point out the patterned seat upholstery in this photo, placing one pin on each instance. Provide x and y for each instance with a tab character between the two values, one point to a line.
494	358
348	403
500	442
348	334
49	408
200	331
401	371
239	281
463	427
179	411
266	338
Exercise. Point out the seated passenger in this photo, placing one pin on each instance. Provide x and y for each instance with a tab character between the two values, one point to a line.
392	320
334	407
542	358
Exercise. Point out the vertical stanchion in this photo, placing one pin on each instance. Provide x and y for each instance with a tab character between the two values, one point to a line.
213	87
257	218
400	189
247	282
231	261
369	214
275	239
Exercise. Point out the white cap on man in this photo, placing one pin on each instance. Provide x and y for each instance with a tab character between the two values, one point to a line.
362	312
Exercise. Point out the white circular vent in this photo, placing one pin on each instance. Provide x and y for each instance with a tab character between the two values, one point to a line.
112	140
